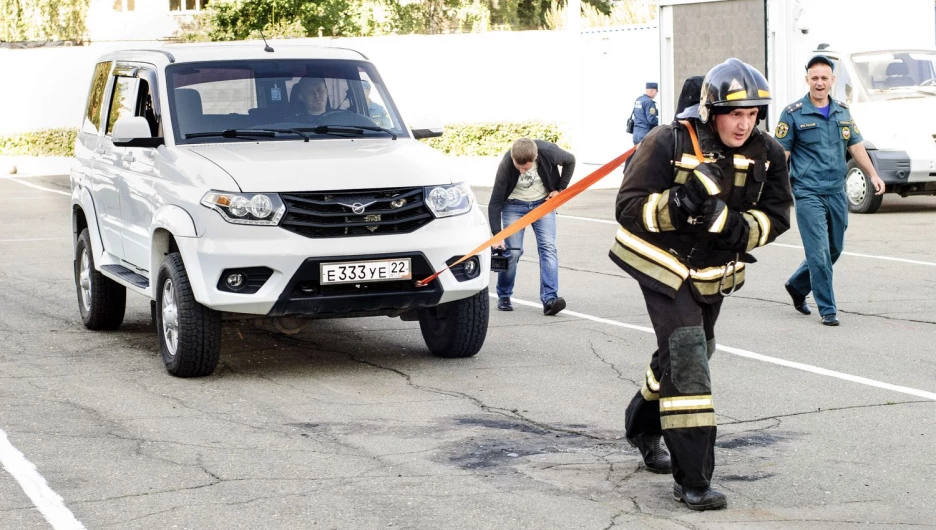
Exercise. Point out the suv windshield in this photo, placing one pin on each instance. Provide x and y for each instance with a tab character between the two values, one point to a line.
896	70
278	97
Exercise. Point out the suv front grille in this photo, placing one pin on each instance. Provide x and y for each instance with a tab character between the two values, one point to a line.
355	212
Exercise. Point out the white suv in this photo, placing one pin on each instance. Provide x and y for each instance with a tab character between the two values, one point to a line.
235	181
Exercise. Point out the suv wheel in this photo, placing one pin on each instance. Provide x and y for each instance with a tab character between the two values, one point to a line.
189	333
456	329
102	301
860	191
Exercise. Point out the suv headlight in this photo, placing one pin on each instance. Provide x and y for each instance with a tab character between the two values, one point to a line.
449	199
264	209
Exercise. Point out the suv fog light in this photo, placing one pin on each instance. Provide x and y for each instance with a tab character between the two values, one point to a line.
472	268
235	280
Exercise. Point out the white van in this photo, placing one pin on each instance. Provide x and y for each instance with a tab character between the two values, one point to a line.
234	181
892	97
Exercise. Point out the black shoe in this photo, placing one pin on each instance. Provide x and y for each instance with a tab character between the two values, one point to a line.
700	498
554	306
503	304
654	453
830	320
799	301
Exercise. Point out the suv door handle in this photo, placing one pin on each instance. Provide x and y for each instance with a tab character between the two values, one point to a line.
129	158
99	151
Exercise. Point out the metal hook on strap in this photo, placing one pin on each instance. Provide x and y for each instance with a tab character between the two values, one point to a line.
733	265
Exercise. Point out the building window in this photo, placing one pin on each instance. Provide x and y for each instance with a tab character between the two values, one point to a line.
124	5
187	5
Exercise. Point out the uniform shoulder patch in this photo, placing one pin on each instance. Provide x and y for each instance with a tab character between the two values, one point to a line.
841	104
796	106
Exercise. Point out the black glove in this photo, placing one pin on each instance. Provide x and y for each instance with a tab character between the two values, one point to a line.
729	225
701	185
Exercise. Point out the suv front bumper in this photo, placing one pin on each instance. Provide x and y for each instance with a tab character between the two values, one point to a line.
294	261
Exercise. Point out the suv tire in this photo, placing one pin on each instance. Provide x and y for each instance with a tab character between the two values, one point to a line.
456	329
101	301
189	333
860	191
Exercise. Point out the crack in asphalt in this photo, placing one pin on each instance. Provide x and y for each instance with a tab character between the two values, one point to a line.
613	367
831	409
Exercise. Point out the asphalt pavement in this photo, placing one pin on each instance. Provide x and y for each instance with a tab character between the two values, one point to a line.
352	424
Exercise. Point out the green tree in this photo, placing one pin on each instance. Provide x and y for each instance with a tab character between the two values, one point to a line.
42	20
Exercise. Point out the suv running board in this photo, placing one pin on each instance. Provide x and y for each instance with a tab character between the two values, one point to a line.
127	275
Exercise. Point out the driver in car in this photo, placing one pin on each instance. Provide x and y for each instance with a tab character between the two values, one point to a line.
313	97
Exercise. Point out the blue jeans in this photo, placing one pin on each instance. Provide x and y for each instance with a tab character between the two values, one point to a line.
545	230
822	220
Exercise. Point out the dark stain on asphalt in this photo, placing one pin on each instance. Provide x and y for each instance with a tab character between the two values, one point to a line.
750	440
511	440
744	478
501	424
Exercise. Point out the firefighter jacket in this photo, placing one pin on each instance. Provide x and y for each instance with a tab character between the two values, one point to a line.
661	253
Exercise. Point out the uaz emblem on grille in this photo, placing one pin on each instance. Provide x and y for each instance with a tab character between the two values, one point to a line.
358	208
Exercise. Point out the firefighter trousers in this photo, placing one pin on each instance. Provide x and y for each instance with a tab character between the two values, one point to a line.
676	398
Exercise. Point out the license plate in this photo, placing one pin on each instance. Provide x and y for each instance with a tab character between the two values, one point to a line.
366	271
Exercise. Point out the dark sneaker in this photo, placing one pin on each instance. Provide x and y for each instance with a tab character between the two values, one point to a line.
699	498
655	456
799	301
553	306
503	304
830	320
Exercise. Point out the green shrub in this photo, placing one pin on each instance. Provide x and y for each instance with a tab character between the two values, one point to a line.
44	142
492	138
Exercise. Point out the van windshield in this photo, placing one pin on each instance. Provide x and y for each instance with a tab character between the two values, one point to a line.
278	95
897	70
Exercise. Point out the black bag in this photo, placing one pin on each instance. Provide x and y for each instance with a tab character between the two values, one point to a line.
630	124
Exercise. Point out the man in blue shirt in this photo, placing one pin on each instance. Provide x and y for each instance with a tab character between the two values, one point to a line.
815	132
645	115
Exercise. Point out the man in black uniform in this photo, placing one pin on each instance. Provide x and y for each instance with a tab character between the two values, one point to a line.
689	213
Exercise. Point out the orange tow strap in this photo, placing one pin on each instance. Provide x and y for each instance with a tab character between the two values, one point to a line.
541	210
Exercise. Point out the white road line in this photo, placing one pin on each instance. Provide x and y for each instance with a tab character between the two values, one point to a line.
854	254
756	356
33	239
60	192
48	502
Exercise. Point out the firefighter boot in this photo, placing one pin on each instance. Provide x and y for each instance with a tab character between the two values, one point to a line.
654	453
699	498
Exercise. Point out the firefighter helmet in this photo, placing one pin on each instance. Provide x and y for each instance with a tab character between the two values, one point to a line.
734	84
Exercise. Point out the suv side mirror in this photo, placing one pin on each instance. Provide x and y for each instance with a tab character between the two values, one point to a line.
428	132
134	131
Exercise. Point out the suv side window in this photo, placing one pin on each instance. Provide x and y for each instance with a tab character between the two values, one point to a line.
123	101
92	120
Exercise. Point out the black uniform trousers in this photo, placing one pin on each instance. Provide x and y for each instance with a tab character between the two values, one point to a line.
676	398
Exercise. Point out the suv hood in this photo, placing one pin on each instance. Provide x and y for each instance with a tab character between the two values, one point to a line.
328	164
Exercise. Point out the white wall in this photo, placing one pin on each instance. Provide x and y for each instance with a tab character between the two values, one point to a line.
587	84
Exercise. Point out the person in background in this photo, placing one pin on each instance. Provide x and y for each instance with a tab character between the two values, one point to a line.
646	116
815	133
531	173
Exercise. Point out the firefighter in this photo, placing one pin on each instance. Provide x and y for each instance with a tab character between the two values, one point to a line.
690	211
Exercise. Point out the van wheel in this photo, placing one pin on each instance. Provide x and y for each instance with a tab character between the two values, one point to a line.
189	333
101	301
456	329
860	191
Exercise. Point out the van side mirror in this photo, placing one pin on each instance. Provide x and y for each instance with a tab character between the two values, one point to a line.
134	131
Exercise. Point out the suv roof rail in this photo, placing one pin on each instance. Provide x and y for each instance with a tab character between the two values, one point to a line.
351	50
152	50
